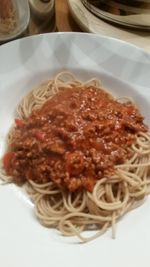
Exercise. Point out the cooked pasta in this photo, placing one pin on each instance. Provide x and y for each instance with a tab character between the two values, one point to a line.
82	155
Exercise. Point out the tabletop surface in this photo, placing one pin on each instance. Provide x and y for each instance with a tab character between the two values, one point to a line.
64	21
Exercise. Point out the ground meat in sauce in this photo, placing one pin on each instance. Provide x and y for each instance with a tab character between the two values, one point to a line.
74	139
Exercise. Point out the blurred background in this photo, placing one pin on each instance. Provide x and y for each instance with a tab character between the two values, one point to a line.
128	20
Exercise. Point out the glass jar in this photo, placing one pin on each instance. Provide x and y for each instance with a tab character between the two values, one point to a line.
14	19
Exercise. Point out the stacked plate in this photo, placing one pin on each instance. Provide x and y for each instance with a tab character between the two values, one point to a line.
130	13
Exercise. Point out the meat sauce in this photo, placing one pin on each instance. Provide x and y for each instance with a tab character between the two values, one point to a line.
74	139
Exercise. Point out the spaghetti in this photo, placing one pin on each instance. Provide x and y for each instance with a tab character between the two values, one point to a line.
69	205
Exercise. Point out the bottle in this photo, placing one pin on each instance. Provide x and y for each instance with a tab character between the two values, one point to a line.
43	14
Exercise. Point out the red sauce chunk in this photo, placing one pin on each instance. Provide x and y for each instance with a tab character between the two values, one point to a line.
74	139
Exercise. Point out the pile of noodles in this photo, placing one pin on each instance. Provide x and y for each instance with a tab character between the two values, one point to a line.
112	197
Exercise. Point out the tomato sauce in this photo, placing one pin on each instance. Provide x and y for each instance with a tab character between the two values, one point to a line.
74	139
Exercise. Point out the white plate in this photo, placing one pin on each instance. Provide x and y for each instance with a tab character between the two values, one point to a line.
124	69
90	23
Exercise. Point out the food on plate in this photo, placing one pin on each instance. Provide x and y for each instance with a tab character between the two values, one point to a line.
82	155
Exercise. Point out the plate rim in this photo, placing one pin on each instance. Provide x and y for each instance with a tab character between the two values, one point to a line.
95	35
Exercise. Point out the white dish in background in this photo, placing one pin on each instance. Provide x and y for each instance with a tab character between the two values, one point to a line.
122	68
23	13
90	23
133	14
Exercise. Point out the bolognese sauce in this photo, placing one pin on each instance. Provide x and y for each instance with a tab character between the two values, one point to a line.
74	139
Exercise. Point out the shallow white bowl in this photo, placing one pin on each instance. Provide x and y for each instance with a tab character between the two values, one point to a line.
122	68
